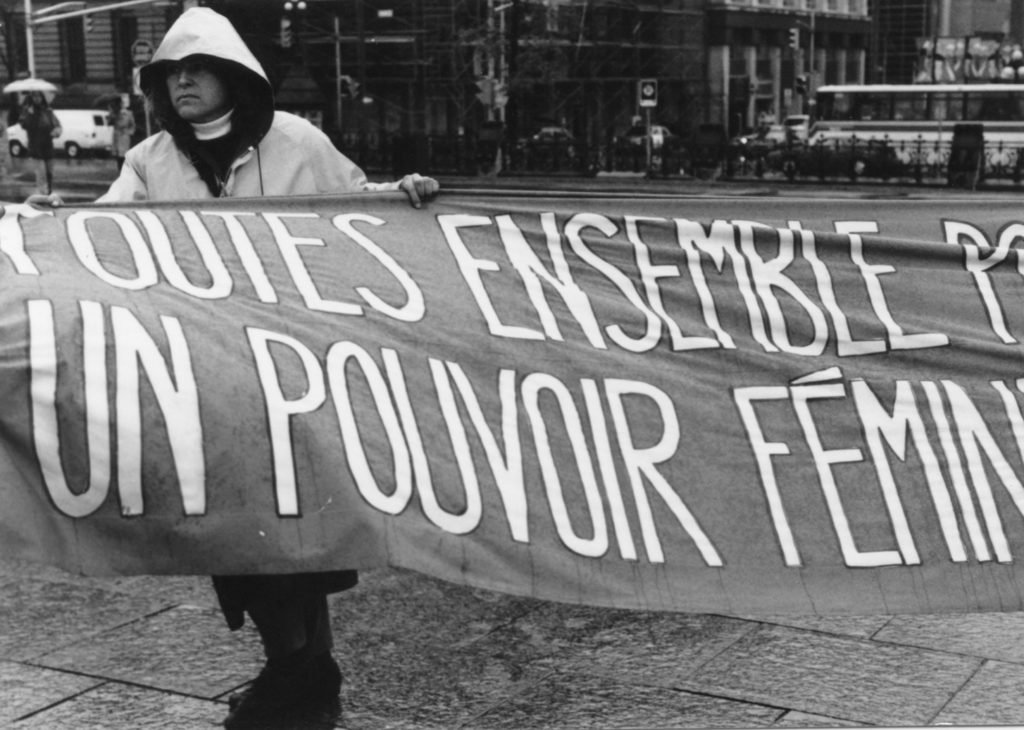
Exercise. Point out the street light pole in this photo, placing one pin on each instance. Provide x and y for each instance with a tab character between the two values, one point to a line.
810	50
337	71
30	39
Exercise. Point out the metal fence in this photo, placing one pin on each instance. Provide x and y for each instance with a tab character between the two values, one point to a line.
464	155
913	162
909	161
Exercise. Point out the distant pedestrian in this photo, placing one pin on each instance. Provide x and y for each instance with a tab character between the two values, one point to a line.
5	146
122	121
41	127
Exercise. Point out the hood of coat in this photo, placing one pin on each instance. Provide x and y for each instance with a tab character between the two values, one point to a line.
204	32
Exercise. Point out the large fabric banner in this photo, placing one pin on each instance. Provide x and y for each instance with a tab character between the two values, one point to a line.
731	405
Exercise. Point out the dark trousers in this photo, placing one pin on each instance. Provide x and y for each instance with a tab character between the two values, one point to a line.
290	611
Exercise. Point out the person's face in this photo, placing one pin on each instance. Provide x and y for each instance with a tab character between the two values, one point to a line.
197	93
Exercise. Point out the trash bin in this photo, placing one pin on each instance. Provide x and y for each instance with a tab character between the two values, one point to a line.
966	156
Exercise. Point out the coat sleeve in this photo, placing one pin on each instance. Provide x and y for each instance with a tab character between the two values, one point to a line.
128	186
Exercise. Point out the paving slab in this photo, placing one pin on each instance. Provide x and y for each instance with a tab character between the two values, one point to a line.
186	649
863	627
25	689
390	602
39	615
121	706
397	678
839	677
993	696
807	720
637	647
578	701
169	590
991	635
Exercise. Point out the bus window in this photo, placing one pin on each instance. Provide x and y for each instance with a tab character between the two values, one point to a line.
947	107
833	106
872	108
909	107
999	107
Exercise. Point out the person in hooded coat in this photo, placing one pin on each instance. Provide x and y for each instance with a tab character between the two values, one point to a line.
221	137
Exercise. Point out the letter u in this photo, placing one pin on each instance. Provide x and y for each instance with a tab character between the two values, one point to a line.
45	430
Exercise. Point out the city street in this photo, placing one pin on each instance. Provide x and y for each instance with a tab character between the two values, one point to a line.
82	180
135	652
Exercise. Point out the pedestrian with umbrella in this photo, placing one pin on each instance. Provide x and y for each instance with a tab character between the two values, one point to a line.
41	127
40	124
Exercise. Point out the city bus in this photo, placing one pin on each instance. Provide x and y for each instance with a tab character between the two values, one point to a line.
916	122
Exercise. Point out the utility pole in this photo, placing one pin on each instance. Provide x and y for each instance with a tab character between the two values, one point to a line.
30	41
812	82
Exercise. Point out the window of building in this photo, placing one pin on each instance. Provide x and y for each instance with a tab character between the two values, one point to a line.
19	47
125	29
71	33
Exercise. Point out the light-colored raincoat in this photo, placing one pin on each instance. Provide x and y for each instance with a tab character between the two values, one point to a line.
281	154
278	154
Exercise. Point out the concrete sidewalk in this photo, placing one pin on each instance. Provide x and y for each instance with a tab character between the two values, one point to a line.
151	652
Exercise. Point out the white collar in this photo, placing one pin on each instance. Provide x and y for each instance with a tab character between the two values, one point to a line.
212	130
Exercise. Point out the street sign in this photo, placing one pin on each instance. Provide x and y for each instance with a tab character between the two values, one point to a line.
142	52
647	92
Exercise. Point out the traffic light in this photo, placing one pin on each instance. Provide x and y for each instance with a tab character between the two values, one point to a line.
794	38
349	87
286	32
801	84
287	35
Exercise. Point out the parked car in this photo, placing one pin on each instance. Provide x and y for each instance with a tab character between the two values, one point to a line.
83	131
869	158
756	143
797	127
552	136
550	148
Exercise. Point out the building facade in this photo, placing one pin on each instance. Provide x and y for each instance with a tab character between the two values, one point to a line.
87	56
765	57
375	73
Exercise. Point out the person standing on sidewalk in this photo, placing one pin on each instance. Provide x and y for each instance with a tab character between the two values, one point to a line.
122	124
41	127
221	137
5	146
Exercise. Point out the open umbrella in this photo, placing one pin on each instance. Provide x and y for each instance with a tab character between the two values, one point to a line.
103	100
28	85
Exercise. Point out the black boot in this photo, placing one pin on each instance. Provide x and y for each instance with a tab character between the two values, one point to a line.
297	691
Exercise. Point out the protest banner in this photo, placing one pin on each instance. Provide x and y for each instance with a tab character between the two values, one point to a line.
734	405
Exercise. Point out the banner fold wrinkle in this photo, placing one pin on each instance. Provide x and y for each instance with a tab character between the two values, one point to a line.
726	405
